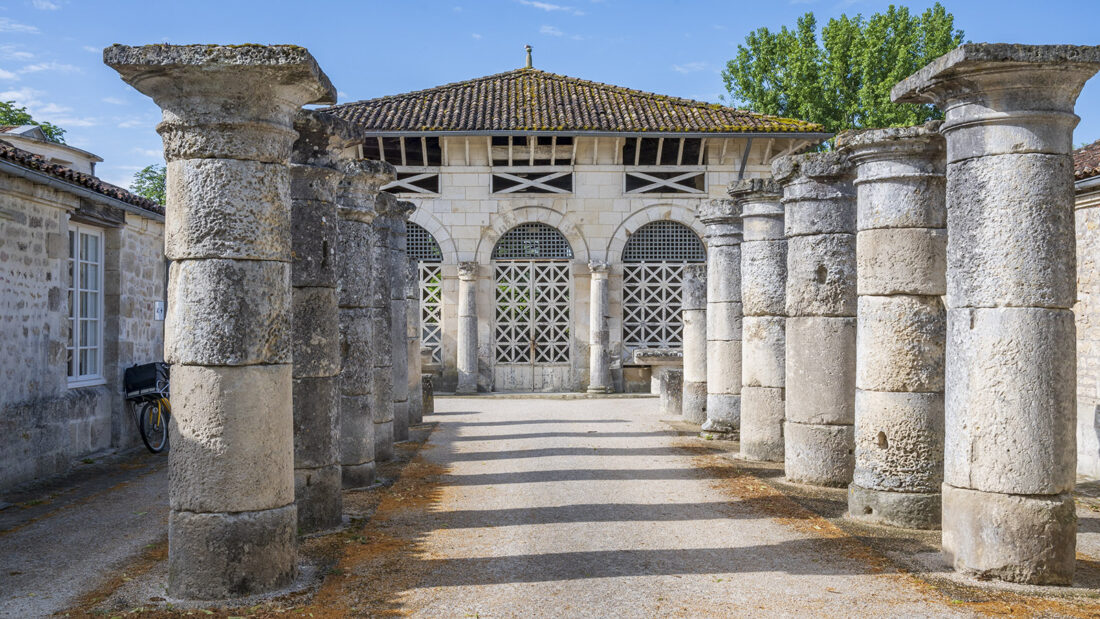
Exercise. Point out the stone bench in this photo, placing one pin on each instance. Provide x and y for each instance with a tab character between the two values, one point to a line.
666	376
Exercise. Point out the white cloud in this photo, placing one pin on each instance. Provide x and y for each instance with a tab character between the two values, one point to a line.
44	111
546	6
552	31
91	49
113	101
7	75
149	152
135	122
49	66
13	52
7	25
689	67
45	5
476	36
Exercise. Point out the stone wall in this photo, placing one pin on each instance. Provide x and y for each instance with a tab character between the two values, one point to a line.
44	424
1087	314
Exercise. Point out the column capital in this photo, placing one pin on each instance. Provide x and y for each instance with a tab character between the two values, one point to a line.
322	138
404	209
360	198
757	197
1004	98
892	144
821	167
467	271
719	211
599	268
224	101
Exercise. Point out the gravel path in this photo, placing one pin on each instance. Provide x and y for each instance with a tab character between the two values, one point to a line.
588	508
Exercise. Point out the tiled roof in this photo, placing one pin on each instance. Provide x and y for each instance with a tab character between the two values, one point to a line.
1086	161
534	100
38	163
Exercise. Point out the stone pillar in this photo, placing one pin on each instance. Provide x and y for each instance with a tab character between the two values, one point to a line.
399	312
467	328
413	343
381	315
228	132
599	335
694	313
820	358
722	219
672	392
901	258
357	292
763	282
1009	460
314	181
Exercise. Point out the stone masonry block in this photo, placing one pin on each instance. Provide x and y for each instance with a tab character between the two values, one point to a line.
908	261
763	351
821	275
820	455
901	343
899	441
764	277
820	370
316	332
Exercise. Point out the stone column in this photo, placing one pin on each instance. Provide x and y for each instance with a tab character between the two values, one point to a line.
901	249
358	290
467	328
413	343
399	312
1009	460
694	313
763	281
228	132
381	315
820	357
722	219
316	333
599	335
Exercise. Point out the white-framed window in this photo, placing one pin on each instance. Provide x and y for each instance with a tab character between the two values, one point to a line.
85	281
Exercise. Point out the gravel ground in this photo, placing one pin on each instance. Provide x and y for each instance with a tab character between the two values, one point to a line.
591	509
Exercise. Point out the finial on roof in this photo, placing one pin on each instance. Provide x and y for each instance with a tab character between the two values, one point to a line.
528	48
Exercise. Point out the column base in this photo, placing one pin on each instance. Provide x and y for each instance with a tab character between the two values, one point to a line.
762	410
819	455
356	476
717	430
695	402
1028	539
596	389
318	498
723	412
225	555
908	510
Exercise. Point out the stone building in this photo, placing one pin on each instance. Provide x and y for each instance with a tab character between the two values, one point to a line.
1086	164
527	181
82	291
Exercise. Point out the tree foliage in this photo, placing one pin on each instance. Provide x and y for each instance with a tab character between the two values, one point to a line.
10	114
843	79
149	182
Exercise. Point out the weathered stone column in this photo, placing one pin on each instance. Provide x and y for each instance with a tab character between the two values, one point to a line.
722	219
763	292
467	328
228	132
399	311
694	313
382	318
314	181
820	357
901	258
1009	460
413	343
358	290
599	335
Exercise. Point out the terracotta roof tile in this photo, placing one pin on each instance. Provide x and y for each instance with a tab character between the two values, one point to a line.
534	100
1086	161
35	162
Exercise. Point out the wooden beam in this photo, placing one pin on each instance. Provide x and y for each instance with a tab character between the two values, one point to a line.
722	157
532	142
702	151
381	150
510	164
680	153
467	141
637	151
660	149
553	150
404	160
768	150
424	149
744	160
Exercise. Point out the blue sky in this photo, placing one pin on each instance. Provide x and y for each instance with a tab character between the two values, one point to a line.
51	50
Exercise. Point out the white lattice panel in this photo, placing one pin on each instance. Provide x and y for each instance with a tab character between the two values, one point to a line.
431	309
532	312
651	304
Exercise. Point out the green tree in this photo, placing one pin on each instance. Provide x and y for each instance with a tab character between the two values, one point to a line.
10	114
843	80
149	182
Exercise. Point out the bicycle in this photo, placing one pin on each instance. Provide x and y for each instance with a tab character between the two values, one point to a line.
147	390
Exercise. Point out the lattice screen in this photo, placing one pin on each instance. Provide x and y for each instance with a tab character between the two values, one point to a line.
420	244
431	308
532	312
653	277
532	241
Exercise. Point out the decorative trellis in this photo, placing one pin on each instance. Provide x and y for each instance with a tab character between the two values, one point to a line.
421	245
532	312
532	241
653	277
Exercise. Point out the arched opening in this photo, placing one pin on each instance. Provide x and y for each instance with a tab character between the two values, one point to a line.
653	275
532	315
422	246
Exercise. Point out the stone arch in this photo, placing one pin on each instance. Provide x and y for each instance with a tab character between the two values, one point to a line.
425	219
527	214
641	217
